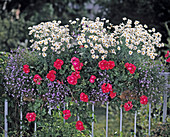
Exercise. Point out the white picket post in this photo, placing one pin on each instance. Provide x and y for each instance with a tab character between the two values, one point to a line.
64	109
49	111
35	127
120	120
149	130
166	74
78	117
107	111
21	115
5	118
135	124
165	99
93	119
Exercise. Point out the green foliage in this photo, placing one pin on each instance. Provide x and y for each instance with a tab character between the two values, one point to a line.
14	30
161	130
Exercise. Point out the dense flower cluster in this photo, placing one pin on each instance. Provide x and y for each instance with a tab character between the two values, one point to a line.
92	79
130	67
112	94
26	68
107	88
88	77
83	97
128	106
143	100
106	64
58	63
76	63
31	117
37	79
79	125
66	114
93	35
51	75
17	82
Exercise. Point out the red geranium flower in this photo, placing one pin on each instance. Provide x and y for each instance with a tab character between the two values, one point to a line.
167	54
106	64
79	125
76	63
128	106
112	94
37	79
76	74
78	66
72	80
26	68
143	100
92	79
168	60
130	67
103	64
74	59
111	64
51	75
31	116
107	88
83	97
58	63
67	114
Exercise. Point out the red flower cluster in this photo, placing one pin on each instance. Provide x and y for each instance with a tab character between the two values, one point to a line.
76	74
79	125
128	106
107	88
112	94
106	64
31	116
67	114
143	100
92	79
26	68
130	67
73	78
167	54
83	97
76	63
51	75
37	79
58	63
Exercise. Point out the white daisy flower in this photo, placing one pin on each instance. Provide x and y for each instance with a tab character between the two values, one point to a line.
44	54
92	51
130	52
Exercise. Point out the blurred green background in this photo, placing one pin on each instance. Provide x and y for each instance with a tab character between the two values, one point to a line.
17	15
